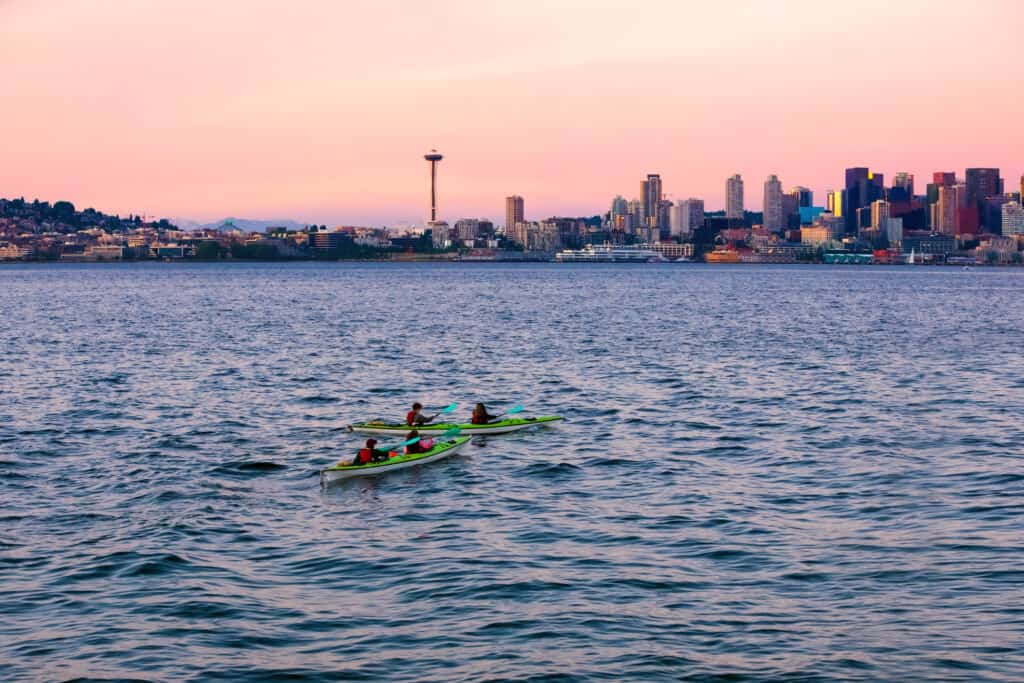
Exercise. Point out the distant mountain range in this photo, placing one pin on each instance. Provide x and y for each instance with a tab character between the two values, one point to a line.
243	224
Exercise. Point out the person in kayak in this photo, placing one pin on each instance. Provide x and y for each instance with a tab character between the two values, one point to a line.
480	415
421	446
369	454
416	417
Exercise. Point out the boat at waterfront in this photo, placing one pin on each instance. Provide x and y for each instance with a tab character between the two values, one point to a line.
608	254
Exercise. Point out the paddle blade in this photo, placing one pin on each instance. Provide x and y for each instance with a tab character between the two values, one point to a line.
401	445
451	433
449	409
514	410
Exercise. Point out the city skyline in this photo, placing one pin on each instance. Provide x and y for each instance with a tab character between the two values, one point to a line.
157	113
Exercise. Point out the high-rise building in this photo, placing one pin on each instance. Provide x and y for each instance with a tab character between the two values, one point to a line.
834	202
1022	189
1013	218
904	181
693	215
513	215
734	197
944	178
879	214
981	183
676	228
774	220
894	230
650	197
804	196
434	158
636	210
862	188
951	199
620	207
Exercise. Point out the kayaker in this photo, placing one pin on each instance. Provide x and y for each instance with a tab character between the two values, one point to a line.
480	415
369	454
416	416
414	447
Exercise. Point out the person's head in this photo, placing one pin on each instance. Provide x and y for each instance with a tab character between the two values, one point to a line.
413	434
479	408
370	443
417	406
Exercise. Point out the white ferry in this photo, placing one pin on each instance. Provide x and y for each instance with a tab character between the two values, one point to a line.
608	254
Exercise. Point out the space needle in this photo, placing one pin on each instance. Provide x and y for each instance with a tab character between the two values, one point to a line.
433	157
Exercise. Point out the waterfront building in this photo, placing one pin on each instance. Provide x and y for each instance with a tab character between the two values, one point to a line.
734	197
1013	219
469	229
815	235
835	224
894	230
440	232
774	220
513	216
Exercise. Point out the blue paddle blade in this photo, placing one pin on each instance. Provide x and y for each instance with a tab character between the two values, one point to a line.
454	431
516	409
401	445
450	408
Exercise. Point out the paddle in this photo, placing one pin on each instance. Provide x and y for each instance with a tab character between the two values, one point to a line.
443	411
454	431
510	411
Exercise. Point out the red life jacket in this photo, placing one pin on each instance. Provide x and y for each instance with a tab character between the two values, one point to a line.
410	417
477	420
365	456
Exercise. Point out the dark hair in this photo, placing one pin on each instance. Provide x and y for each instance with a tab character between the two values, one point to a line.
413	434
370	443
417	406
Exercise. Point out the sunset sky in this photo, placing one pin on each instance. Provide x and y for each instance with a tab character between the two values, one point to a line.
321	111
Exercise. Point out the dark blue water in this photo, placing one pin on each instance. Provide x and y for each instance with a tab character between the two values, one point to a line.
768	474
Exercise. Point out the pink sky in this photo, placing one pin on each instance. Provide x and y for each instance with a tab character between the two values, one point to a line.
321	111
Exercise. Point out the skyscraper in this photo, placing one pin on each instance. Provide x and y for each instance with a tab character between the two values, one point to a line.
981	183
951	199
650	196
803	196
879	214
434	158
693	214
734	197
513	215
774	220
862	188
905	181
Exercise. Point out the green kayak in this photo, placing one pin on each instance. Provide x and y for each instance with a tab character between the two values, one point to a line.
512	424
440	450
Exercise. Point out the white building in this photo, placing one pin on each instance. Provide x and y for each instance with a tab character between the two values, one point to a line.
1013	219
734	197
